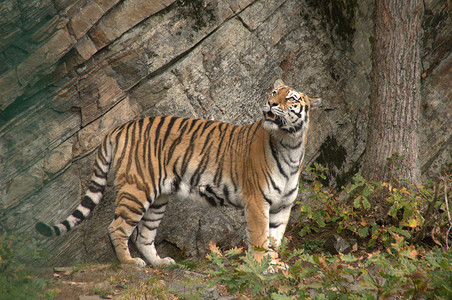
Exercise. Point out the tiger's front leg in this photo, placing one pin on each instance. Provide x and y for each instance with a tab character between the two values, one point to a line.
257	219
279	217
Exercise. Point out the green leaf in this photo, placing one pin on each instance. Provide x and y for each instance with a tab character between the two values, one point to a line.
319	219
363	232
400	231
366	203
348	258
366	191
356	202
393	210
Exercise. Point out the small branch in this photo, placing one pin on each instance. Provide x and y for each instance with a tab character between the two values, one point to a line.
446	201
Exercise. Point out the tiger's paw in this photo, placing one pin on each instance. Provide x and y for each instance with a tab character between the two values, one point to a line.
276	266
137	261
163	262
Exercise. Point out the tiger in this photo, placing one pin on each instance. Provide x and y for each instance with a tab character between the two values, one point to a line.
254	167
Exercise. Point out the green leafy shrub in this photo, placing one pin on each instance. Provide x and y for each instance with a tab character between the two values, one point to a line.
401	272
393	263
412	209
15	281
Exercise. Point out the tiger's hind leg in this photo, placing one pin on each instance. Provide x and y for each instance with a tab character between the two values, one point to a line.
145	233
129	211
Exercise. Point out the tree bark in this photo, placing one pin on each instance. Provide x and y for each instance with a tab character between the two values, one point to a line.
394	113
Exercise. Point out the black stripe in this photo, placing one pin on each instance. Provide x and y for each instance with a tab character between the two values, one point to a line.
263	195
211	191
267	200
132	209
124	133
140	123
278	164
189	153
220	142
98	171
149	159
208	140
132	147
161	166
177	141
150	228
226	194
168	129
278	209
57	230
209	199
177	180
194	181
233	171
207	124
193	122
157	134
130	222
292	147
275	225
94	187
88	203
294	129
79	215
140	158
100	155
158	206
66	224
275	187
291	192
231	136
251	129
151	220
257	126
132	198
287	162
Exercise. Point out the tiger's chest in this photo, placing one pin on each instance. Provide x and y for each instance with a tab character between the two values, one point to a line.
282	191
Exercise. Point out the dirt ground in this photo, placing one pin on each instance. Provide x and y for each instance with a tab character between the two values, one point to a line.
116	281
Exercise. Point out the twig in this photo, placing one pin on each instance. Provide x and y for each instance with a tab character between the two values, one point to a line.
448	213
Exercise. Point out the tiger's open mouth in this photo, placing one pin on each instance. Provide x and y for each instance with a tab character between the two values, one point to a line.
269	116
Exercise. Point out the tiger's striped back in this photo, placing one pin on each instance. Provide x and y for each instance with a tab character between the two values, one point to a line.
189	157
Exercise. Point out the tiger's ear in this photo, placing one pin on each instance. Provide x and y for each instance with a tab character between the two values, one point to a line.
278	83
315	102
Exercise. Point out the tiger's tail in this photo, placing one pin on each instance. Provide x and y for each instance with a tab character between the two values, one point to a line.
92	196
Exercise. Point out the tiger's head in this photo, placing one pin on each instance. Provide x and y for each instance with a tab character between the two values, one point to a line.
286	109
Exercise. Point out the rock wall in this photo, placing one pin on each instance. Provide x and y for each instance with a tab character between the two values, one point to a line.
70	71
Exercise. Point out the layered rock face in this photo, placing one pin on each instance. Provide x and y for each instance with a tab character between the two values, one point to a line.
70	71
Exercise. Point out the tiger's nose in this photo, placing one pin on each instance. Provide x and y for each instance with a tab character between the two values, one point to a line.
272	103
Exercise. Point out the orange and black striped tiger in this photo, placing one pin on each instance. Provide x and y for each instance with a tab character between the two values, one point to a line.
254	166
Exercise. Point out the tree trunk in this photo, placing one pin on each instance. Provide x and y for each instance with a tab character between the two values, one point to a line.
394	113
